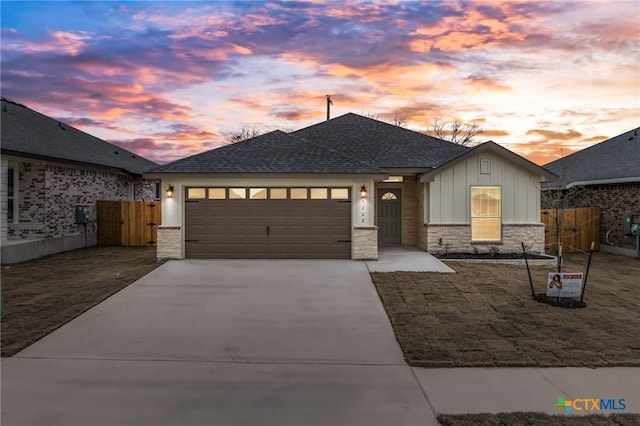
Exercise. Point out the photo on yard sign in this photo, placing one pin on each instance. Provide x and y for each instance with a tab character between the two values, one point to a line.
561	284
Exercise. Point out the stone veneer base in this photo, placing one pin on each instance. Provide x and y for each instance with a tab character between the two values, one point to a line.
169	243
456	238
364	245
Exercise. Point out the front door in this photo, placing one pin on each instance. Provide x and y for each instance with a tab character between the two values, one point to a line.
389	216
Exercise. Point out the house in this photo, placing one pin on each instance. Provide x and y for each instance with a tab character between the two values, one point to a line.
47	168
605	175
341	188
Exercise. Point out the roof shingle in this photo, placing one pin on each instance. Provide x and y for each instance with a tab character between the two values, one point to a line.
615	158
27	132
274	152
347	144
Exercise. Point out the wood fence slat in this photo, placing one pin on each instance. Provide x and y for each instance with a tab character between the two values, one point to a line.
127	223
578	228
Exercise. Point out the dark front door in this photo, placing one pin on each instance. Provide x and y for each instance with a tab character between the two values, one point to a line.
389	216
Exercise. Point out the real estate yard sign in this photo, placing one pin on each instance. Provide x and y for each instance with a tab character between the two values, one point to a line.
564	284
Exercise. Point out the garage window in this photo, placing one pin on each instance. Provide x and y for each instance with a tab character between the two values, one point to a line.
339	194
217	193
196	193
486	217
278	193
318	193
298	193
237	193
258	193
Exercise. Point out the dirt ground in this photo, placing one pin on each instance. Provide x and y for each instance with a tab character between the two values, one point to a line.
43	294
484	315
539	419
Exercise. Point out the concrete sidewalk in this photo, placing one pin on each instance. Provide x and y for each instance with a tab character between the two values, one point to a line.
495	390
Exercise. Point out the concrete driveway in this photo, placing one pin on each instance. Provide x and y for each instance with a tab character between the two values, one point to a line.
222	343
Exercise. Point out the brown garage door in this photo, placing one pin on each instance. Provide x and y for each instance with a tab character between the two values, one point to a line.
267	223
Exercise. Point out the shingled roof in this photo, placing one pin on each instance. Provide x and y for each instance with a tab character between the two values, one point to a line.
274	152
27	133
614	160
379	143
347	144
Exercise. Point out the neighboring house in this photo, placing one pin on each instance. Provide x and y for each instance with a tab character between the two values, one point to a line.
340	188
605	175
47	168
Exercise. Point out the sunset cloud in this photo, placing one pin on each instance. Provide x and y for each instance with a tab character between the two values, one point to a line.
167	79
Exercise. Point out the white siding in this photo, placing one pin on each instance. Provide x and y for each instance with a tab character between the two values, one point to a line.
172	208
449	191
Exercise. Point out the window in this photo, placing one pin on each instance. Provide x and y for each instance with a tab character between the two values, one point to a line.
394	179
11	191
217	193
486	210
196	193
318	193
237	193
131	191
278	193
389	196
339	194
258	193
158	186
298	193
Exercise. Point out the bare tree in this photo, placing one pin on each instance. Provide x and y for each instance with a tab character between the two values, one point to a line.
245	132
455	131
400	120
557	199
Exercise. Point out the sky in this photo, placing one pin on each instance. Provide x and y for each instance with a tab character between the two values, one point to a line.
168	79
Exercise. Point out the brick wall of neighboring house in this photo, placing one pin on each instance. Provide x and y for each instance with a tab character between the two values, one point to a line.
48	195
615	201
4	169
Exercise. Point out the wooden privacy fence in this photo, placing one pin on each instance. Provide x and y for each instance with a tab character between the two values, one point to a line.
578	228
128	223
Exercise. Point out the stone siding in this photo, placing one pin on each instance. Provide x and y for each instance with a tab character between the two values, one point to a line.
169	243
47	195
615	201
364	245
456	238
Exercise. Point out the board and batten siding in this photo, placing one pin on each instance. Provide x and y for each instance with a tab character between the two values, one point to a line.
449	191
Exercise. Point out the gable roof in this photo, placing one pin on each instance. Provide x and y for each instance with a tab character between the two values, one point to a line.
274	152
347	144
382	144
490	146
27	133
612	161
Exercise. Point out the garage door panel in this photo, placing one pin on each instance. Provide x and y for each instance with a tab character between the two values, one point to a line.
238	229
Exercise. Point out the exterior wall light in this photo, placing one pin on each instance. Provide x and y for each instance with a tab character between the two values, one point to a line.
170	192
363	192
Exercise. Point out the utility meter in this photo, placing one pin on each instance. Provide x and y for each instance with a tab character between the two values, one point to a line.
81	215
627	224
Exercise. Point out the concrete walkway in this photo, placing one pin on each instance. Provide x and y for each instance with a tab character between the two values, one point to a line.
396	258
262	342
